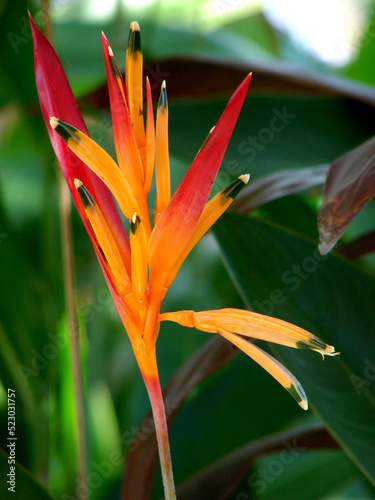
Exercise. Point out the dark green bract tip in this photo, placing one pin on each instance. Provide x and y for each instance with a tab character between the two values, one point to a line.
102	254
299	395
86	198
66	131
134	40
163	101
113	64
233	189
134	223
314	344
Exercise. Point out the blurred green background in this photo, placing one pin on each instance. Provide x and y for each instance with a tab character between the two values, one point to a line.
313	61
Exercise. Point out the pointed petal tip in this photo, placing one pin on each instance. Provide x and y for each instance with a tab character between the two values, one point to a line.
104	39
32	22
163	100
134	223
315	344
244	178
134	218
134	40
53	121
296	390
86	198
134	26
246	81
304	404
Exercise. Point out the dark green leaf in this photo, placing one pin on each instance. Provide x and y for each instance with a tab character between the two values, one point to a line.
218	480
26	485
281	274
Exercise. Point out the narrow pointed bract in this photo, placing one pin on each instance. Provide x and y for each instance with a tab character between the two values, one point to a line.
178	221
106	242
210	214
56	99
100	162
141	266
150	141
162	168
235	324
251	324
134	83
271	365
138	245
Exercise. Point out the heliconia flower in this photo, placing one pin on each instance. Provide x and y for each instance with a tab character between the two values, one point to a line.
140	267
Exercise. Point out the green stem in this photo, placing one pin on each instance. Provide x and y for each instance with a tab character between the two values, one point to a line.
68	258
158	410
70	299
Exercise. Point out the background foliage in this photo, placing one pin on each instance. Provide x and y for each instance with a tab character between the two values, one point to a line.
233	410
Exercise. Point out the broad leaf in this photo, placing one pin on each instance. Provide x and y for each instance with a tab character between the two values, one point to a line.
217	481
281	274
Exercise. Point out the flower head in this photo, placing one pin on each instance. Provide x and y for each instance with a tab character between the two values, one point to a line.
140	267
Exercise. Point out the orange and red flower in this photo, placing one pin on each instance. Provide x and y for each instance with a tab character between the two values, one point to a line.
140	267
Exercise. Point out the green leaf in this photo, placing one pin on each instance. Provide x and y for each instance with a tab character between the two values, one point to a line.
26	485
217	480
281	274
16	65
273	133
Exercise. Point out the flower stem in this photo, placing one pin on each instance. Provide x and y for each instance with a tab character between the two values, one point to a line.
70	301
158	410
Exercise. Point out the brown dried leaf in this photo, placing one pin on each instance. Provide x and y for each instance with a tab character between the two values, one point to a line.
349	186
277	185
209	76
359	247
142	457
